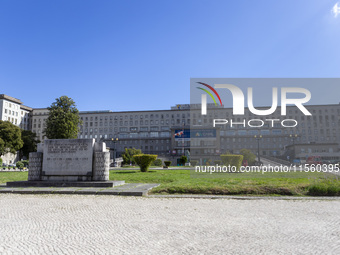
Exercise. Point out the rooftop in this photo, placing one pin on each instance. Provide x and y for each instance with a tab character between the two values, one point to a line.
12	99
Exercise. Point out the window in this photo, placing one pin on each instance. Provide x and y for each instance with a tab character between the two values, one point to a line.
144	134
133	135
153	134
165	134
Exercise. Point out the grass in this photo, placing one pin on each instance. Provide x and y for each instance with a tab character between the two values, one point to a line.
182	182
13	176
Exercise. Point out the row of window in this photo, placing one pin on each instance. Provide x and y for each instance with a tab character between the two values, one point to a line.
12	120
136	122
11	105
10	112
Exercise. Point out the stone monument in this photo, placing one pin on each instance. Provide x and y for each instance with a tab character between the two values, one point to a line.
69	162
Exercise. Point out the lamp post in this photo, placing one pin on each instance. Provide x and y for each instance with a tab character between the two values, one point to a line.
293	137
114	140
258	137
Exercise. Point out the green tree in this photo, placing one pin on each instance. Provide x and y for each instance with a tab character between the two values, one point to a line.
248	155
63	119
10	138
183	160
30	143
128	155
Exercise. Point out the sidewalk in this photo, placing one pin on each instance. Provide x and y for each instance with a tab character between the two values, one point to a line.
128	189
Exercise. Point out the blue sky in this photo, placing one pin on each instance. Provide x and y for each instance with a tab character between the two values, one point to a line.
140	55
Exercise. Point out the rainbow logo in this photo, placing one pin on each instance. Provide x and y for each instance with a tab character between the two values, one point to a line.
209	93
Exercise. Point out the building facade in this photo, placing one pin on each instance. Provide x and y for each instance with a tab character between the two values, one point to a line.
273	137
13	110
182	130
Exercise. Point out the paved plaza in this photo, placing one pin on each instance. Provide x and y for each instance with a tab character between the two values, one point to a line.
91	224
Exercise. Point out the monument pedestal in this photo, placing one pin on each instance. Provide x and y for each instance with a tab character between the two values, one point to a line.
69	163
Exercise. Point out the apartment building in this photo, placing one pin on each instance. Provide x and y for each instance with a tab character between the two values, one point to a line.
182	129
150	131
13	110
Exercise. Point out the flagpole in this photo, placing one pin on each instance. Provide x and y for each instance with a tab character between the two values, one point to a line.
183	140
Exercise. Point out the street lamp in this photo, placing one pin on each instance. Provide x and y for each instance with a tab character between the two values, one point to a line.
293	137
258	137
114	140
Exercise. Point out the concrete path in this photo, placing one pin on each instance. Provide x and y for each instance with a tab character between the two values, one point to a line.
83	224
128	189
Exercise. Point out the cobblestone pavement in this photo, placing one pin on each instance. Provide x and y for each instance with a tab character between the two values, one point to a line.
89	224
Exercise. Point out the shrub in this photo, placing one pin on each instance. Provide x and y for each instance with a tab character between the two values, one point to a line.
157	162
0	161
144	161
217	162
167	163
248	155
193	162
25	162
19	164
232	160
183	160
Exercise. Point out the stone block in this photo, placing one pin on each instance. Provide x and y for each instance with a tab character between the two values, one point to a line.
35	166
67	157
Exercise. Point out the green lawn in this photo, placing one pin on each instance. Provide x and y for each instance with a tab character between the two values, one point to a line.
182	182
13	176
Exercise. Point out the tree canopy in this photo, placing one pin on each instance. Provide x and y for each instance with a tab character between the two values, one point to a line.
248	155
128	155
63	119
10	138
30	142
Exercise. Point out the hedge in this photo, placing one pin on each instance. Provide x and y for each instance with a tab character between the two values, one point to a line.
232	160
167	163
157	162
144	161
193	162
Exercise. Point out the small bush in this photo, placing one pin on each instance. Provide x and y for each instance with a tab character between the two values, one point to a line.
217	162
232	160
19	164
144	161
25	162
0	161
193	162
183	160
248	155
157	162
167	163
